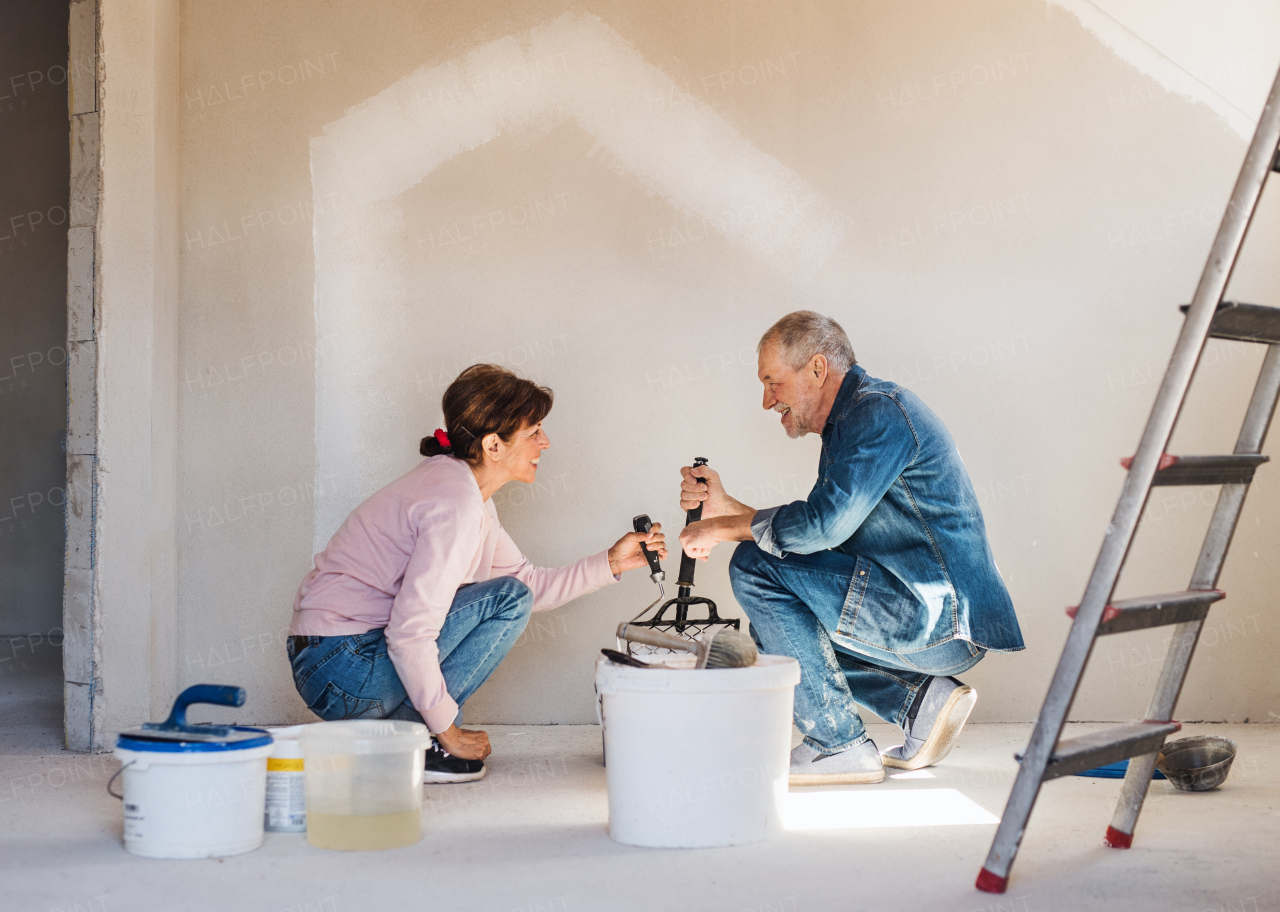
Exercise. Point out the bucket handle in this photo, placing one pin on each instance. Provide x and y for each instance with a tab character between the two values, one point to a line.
113	779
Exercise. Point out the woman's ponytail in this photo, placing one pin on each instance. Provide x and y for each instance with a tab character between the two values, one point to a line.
436	445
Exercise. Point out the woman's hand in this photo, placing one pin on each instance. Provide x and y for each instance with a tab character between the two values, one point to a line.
464	743
626	554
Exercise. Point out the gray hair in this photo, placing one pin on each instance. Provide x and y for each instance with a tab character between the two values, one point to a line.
801	335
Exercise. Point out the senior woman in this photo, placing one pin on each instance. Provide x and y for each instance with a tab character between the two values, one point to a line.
421	592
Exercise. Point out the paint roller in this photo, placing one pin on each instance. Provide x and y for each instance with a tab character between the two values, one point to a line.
727	649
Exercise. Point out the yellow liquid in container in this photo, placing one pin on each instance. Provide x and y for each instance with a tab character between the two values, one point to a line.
363	832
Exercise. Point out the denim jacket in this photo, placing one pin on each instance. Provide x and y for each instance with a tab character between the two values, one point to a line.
893	493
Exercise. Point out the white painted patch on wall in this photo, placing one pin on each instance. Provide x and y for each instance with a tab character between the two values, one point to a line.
576	67
571	68
1172	77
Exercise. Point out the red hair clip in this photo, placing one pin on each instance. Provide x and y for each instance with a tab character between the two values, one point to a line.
442	438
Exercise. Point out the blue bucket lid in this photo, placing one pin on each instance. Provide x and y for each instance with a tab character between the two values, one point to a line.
174	735
239	737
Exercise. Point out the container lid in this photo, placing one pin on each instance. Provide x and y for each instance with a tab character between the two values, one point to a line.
174	735
238	737
365	736
286	732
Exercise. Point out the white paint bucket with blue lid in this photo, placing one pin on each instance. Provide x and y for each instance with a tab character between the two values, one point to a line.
193	791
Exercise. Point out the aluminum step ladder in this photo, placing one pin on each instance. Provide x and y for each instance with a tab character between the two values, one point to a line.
1047	757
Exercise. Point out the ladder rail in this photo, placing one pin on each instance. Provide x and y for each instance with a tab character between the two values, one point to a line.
1257	418
1182	366
1262	154
1213	555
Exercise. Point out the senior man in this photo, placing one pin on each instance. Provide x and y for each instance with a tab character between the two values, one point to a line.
881	584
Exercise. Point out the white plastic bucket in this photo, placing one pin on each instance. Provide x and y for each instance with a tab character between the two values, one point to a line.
193	803
696	758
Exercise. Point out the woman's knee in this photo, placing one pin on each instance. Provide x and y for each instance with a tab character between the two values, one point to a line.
515	597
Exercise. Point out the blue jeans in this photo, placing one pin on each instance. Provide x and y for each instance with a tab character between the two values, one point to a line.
800	606
352	677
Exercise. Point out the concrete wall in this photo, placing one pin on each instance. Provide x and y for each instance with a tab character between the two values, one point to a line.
120	657
33	318
999	200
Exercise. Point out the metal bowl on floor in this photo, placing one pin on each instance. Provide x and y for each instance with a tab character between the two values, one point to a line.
1197	764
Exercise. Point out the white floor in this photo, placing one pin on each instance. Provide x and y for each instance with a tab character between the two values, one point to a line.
532	837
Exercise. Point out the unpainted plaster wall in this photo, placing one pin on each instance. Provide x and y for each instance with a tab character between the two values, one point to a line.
1018	211
129	573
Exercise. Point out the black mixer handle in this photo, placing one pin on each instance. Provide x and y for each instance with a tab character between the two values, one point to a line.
687	563
641	523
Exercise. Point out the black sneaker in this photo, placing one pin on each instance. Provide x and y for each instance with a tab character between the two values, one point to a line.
442	766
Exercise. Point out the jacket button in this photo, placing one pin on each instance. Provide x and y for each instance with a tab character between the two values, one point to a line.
862	573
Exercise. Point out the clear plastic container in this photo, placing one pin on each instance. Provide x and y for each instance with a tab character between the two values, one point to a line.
364	783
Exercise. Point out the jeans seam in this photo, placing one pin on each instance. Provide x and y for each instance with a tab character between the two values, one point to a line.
461	686
826	752
350	641
888	674
793	651
311	669
350	702
373	668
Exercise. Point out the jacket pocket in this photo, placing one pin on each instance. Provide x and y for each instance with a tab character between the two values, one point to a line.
881	611
853	600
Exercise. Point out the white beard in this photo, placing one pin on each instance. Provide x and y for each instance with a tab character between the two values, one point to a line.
798	427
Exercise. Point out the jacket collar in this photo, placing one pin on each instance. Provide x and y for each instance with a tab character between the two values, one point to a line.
848	389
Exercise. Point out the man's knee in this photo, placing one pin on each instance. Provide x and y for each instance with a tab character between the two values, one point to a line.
746	562
749	575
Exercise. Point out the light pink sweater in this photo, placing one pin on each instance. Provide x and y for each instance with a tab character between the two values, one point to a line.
400	558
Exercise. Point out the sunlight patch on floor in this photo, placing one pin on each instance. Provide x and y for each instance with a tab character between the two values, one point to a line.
856	809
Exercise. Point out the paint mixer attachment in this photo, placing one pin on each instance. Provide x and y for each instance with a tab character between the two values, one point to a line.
680	624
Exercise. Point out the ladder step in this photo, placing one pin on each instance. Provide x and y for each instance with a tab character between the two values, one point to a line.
1155	610
1107	746
1204	470
1246	322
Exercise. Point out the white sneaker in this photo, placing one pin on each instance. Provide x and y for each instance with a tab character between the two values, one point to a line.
858	765
944	708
